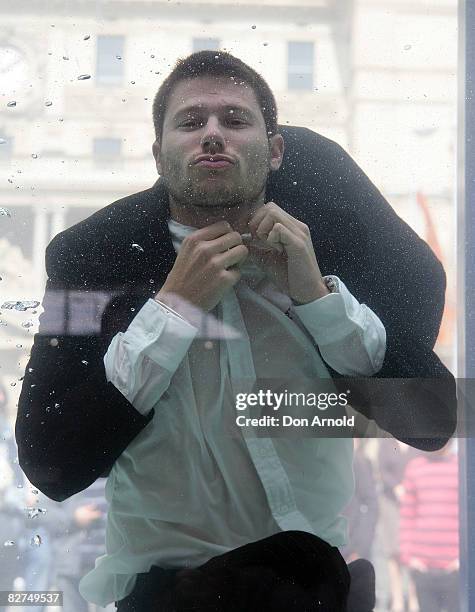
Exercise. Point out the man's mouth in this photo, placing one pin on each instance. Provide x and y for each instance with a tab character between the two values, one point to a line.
220	163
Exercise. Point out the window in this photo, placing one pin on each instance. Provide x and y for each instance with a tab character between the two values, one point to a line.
6	147
300	65
200	44
110	63
106	150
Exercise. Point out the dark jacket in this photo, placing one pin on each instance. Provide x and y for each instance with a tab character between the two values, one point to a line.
72	424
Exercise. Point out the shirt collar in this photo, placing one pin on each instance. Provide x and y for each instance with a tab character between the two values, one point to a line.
178	232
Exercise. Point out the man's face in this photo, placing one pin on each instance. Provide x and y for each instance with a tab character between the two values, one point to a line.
209	117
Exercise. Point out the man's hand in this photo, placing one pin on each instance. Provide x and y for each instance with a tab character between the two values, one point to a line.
283	247
206	267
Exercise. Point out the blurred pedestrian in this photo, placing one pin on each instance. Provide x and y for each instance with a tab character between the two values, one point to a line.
80	539
362	511
429	532
393	457
11	514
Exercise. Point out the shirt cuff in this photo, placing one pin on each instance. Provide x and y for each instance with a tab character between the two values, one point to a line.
332	317
160	334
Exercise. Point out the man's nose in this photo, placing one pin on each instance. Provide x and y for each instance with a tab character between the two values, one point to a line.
212	139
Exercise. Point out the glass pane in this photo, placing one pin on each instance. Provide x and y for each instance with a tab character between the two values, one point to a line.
199	44
110	62
300	65
369	142
6	147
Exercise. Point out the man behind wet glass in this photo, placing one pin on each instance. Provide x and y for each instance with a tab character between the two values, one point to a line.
177	492
214	151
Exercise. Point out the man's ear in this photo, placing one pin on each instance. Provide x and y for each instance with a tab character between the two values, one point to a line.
156	154
276	145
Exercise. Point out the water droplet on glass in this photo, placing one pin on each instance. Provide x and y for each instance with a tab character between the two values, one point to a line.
137	247
132	82
65	57
35	540
118	57
9	543
84	77
407	47
5	213
3	141
20	305
32	512
12	103
48	409
87	37
13	384
208	344
27	324
253	27
19	345
48	103
294	182
20	486
152	56
34	491
54	342
85	362
34	156
265	44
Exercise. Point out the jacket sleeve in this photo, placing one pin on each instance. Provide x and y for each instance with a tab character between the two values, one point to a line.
72	424
383	262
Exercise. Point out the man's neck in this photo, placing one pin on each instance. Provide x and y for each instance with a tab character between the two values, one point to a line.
237	216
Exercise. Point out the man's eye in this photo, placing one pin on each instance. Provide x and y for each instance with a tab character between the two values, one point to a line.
191	123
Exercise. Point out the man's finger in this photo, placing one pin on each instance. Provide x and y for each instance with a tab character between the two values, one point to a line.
274	238
272	210
210	232
275	216
225	242
233	257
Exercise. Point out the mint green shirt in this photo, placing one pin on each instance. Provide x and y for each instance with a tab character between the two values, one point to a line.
191	485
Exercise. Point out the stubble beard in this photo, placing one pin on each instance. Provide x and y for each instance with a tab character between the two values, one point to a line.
223	192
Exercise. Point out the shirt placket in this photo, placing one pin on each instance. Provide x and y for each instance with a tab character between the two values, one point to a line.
238	356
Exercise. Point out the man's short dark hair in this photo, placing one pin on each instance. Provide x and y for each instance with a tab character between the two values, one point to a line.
218	64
